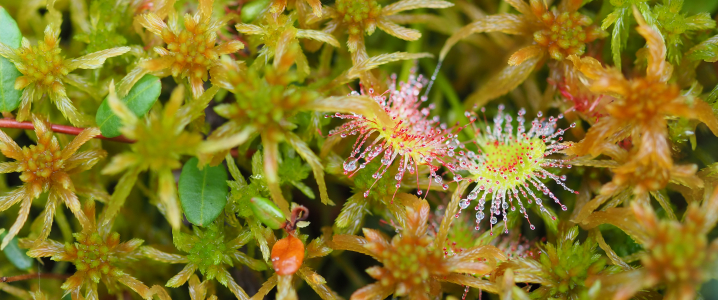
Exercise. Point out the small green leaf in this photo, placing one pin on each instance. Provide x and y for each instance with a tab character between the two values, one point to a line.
251	10
15	255
267	212
203	193
236	174
713	96
307	191
707	50
620	19
9	35
140	99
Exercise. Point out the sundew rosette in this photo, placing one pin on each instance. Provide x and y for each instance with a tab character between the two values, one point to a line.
509	167
401	134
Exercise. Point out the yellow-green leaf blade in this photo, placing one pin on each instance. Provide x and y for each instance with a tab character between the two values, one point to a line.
9	35
16	255
139	100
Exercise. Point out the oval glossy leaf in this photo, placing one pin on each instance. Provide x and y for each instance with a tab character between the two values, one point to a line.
287	255
139	100
267	212
9	35
203	193
15	255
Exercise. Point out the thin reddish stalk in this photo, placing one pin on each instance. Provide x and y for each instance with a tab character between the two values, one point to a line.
33	276
10	123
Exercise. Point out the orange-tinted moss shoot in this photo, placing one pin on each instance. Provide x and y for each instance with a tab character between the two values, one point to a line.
364	16
45	167
556	33
638	109
45	71
97	255
679	256
413	263
191	51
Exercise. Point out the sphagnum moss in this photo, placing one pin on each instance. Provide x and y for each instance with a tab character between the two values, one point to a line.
413	261
46	167
97	255
210	253
268	90
190	52
556	33
46	71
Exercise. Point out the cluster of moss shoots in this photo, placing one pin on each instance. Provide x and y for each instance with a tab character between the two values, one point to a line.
209	251
42	63
93	255
408	263
565	33
41	161
272	113
359	16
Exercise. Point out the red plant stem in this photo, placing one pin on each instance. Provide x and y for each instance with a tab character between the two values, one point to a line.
10	123
299	213
33	276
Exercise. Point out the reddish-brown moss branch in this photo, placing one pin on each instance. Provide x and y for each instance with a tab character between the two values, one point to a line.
10	123
33	276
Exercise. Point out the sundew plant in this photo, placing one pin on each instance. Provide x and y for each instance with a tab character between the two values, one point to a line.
358	149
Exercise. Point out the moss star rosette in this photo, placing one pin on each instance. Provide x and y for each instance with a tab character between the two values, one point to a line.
414	264
45	167
97	255
45	71
190	52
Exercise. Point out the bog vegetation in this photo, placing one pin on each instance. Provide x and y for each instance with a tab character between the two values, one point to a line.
358	149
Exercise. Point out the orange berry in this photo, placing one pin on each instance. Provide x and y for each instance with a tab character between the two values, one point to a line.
287	255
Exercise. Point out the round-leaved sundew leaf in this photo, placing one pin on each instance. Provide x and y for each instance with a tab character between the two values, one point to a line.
287	255
9	35
203	193
139	100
